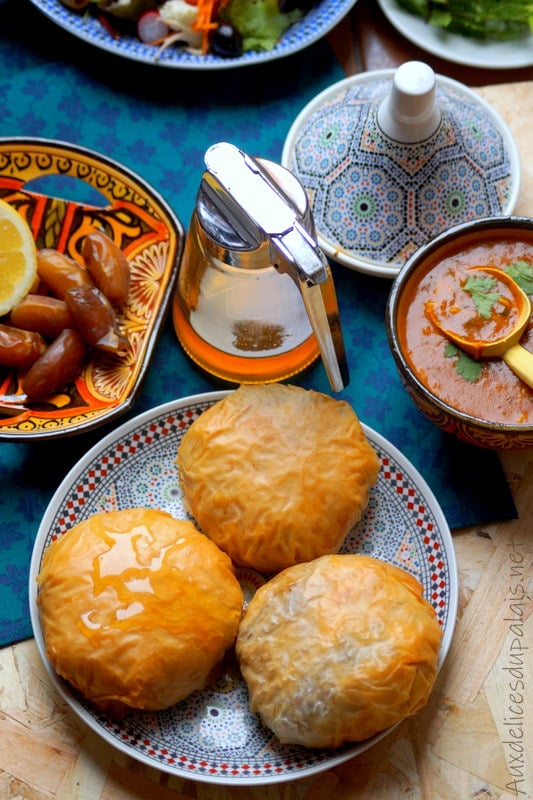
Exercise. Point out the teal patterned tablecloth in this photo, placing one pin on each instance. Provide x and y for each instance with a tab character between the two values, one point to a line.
159	122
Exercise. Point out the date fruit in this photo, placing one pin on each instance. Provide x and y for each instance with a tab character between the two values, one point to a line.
107	265
95	318
58	366
60	272
46	315
19	349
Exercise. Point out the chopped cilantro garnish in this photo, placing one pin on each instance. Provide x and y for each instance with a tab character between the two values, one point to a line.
465	366
522	273
450	350
480	288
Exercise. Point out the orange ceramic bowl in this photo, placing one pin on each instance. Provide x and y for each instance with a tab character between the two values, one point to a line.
65	191
482	402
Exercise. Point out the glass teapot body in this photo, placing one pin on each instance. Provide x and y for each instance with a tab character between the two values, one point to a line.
255	300
234	313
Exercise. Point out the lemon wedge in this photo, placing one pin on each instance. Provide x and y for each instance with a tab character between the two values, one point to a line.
18	258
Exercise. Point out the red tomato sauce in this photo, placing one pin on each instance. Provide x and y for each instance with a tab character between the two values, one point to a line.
497	395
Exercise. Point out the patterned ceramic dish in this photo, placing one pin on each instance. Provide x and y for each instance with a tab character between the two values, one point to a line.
313	26
376	199
147	231
496	397
212	736
459	49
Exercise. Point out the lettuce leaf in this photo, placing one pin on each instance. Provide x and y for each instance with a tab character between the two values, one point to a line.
500	20
259	22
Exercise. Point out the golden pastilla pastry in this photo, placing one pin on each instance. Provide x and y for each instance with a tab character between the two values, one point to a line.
137	608
338	649
276	474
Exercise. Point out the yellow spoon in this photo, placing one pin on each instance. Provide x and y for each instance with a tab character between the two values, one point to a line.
514	317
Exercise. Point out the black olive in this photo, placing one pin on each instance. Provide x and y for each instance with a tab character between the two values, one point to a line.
285	6
225	41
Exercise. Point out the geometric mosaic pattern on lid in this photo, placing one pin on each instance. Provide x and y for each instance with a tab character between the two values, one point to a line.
381	199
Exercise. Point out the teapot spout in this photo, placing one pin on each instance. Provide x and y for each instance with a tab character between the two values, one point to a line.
303	260
320	301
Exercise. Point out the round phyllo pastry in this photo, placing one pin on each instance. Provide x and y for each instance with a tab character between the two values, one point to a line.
276	474
338	649
136	608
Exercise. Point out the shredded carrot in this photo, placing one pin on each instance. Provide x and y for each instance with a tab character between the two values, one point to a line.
205	22
108	26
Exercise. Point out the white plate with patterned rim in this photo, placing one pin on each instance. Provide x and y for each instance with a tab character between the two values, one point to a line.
314	25
212	736
459	49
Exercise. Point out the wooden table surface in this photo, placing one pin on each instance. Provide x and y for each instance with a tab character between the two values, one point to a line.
475	737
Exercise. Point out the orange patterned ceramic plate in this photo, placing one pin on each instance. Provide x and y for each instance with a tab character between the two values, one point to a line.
149	234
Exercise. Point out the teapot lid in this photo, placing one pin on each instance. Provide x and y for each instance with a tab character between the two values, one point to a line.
391	158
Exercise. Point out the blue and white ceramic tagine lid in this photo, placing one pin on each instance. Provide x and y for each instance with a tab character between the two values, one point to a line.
390	159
